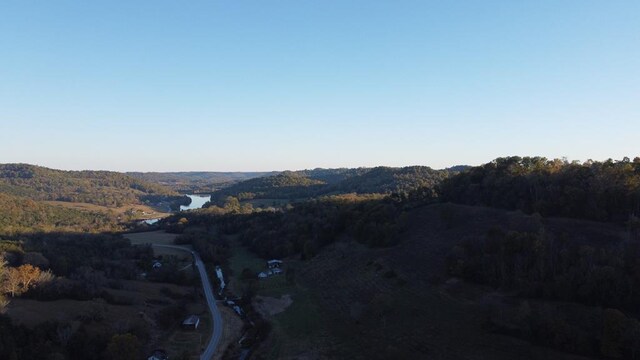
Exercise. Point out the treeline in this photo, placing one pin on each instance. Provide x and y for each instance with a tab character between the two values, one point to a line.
318	182
602	191
22	215
553	267
305	227
95	187
89	260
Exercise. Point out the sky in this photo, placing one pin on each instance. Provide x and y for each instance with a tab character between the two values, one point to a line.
256	85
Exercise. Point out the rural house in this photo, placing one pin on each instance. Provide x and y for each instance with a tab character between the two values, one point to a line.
191	322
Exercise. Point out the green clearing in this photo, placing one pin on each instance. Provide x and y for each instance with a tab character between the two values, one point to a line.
242	258
302	318
159	238
300	322
151	237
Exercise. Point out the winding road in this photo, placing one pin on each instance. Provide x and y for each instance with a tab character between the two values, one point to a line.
210	350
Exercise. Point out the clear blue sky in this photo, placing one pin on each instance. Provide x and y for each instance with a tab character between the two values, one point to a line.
291	84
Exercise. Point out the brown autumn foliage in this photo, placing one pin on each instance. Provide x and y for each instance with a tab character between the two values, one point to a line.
19	280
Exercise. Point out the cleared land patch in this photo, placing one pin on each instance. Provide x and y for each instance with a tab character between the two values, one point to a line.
151	237
269	306
138	211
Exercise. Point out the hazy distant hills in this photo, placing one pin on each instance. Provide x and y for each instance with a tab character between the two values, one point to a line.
317	182
105	188
197	181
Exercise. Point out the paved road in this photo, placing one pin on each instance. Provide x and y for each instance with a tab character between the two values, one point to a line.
211	301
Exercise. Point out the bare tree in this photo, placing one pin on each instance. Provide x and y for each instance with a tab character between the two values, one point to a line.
19	280
12	282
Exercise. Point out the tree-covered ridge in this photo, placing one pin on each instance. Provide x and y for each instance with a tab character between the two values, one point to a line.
318	182
20	215
603	191
388	180
96	187
285	185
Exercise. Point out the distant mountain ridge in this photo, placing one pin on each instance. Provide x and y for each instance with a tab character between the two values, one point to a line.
105	188
197	181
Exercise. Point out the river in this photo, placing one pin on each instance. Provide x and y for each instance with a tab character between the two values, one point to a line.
197	201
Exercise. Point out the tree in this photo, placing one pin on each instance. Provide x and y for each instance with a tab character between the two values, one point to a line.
3	270
19	280
3	275
28	275
124	347
232	204
612	333
12	282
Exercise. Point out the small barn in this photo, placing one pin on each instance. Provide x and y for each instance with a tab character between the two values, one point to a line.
158	355
191	322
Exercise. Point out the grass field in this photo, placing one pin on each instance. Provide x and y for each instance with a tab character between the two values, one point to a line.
161	238
299	322
242	259
151	237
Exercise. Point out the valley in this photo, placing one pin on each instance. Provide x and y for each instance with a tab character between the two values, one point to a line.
413	272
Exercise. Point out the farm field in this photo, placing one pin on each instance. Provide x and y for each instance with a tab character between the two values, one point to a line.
151	237
163	238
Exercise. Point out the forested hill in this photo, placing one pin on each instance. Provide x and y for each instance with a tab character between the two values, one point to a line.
20	215
96	187
603	191
317	182
197	181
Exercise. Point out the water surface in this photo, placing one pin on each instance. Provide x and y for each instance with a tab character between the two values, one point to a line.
196	202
